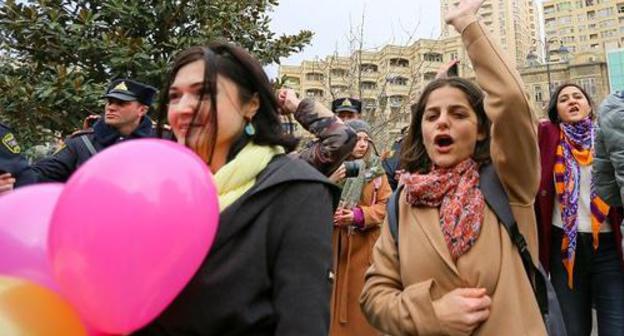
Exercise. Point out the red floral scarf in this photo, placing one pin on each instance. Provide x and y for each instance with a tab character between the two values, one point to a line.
456	191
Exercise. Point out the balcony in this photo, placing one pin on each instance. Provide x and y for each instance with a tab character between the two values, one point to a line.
433	57
315	93
314	77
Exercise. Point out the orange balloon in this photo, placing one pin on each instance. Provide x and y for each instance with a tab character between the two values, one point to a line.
27	309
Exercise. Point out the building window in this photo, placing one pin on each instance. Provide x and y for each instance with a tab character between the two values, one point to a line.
369	104
589	85
368	67
605	12
339	89
399	62
564	6
291	81
396	101
401	81
433	57
338	72
314	76
539	97
368	85
620	8
314	93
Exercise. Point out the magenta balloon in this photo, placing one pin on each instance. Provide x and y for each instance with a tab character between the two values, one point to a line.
24	223
130	229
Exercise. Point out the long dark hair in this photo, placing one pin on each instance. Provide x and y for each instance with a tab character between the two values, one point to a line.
553	114
236	64
414	157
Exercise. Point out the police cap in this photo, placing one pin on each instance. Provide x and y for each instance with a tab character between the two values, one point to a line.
347	104
131	90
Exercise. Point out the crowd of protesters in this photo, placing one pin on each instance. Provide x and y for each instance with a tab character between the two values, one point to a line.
306	244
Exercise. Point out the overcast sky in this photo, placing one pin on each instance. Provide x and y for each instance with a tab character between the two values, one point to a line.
385	21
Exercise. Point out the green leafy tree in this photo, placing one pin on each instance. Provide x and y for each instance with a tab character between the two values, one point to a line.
56	57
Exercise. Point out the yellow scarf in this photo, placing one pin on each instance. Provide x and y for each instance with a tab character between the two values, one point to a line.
239	175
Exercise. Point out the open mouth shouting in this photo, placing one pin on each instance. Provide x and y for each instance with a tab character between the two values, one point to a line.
443	143
574	109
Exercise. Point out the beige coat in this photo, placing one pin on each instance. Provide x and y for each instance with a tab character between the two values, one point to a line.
352	256
401	285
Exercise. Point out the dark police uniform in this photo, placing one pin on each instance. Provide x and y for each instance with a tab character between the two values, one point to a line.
11	158
82	145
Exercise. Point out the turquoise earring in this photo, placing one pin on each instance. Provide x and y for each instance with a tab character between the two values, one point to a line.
249	129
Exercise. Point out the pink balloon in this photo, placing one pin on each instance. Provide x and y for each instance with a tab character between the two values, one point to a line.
24	222
130	229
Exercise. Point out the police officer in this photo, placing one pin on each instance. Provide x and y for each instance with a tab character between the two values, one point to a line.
14	170
347	108
127	103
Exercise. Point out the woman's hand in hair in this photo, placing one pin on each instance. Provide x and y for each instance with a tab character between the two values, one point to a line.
463	14
287	101
6	183
462	310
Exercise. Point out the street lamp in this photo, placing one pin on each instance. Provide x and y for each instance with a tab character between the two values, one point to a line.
532	58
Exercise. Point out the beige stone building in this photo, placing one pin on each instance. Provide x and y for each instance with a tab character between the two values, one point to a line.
514	24
387	80
584	25
390	79
587	69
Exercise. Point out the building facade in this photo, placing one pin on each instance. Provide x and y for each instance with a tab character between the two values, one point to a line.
514	24
390	80
387	81
584	25
588	70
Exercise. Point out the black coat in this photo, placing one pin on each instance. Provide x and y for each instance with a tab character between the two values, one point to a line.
64	162
11	158
391	164
268	270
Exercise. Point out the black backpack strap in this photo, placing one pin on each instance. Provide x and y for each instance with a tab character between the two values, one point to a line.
392	213
496	197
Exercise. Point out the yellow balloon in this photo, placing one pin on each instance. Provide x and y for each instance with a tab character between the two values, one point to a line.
27	309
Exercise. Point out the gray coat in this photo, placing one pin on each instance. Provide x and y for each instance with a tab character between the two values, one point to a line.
608	165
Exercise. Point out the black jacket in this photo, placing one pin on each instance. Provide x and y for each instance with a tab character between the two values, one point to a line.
64	162
11	158
391	164
268	270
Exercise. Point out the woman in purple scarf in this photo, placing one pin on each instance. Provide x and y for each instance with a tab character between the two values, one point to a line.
579	233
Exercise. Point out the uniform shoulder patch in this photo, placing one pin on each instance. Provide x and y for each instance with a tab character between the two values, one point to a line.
9	141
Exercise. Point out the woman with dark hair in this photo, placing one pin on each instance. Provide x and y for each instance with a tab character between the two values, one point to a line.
357	223
579	236
455	270
267	272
